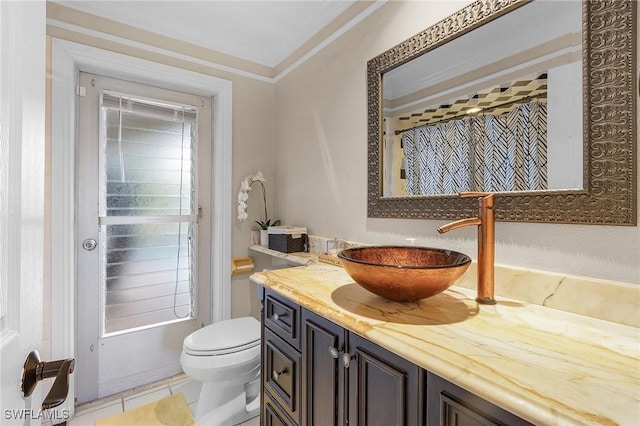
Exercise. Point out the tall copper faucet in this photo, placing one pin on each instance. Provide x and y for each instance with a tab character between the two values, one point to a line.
486	243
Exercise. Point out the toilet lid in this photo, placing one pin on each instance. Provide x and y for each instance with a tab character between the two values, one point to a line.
224	337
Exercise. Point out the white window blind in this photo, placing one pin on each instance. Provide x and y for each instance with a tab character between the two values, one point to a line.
148	211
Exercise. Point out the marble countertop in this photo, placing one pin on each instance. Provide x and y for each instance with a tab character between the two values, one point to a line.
544	365
298	258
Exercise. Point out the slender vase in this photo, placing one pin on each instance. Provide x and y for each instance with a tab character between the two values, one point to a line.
255	238
264	238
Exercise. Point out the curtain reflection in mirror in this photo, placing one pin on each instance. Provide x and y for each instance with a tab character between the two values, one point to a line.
486	152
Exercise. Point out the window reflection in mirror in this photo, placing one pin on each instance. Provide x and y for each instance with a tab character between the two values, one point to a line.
526	64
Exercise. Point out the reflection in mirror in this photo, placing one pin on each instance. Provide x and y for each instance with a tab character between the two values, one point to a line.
575	63
486	112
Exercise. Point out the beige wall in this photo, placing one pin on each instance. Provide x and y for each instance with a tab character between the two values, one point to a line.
320	164
252	151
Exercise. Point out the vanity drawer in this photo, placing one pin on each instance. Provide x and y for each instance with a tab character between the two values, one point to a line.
283	318
273	415
281	373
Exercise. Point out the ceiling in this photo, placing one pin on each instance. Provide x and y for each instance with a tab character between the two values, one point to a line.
261	31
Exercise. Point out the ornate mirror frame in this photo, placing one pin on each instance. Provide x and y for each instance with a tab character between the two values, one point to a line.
609	196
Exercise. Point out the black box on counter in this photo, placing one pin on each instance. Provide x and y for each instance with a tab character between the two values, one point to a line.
288	239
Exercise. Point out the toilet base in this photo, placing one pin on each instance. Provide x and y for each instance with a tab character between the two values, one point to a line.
231	405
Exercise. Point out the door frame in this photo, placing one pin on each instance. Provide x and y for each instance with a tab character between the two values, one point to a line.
67	59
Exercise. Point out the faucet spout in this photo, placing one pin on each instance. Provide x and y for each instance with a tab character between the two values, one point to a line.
486	243
459	224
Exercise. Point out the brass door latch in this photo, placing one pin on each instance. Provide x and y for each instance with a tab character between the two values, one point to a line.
35	370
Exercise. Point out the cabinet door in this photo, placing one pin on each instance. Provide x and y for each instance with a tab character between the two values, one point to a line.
323	377
384	389
450	405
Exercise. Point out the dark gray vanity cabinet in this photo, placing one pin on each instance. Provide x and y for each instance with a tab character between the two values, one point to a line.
314	372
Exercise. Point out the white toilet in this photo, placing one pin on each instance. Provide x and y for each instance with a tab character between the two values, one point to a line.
225	357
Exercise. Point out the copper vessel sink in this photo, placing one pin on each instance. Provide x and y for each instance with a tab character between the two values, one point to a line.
404	273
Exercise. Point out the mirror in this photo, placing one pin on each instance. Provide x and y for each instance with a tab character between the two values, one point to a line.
504	117
552	131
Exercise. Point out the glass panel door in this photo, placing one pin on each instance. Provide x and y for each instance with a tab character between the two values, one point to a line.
147	211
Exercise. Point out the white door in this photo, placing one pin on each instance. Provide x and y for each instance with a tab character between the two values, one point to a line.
143	232
22	79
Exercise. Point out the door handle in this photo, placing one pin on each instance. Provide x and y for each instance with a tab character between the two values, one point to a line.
35	370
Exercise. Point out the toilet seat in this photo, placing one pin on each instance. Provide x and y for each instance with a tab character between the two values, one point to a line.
224	337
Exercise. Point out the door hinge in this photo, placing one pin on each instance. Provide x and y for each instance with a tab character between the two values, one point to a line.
81	91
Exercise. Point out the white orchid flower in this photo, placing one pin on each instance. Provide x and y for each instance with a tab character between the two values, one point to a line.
258	177
243	197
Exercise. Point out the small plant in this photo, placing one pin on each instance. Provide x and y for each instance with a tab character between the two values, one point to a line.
267	223
243	196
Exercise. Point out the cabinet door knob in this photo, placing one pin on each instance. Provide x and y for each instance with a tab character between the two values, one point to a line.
276	374
346	360
335	353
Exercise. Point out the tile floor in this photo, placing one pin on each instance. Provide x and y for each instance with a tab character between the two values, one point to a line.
88	413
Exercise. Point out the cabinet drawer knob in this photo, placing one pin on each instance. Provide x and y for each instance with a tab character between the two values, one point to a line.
276	374
276	316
